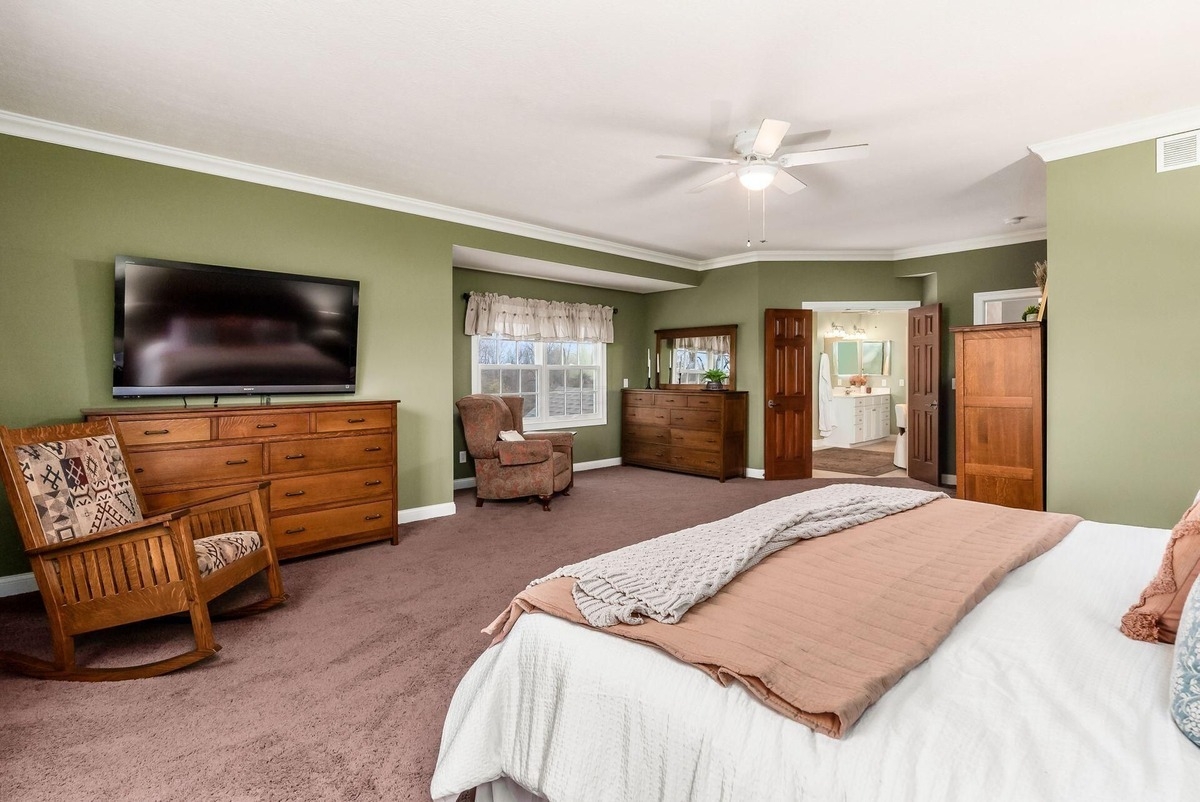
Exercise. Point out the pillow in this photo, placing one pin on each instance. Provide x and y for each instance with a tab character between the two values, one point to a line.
1155	617
1185	673
511	436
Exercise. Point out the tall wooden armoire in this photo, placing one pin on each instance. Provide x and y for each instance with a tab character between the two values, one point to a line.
1000	436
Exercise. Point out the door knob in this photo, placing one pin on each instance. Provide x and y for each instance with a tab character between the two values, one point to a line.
933	404
771	404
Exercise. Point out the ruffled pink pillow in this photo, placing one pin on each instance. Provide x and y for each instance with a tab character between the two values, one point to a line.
1156	615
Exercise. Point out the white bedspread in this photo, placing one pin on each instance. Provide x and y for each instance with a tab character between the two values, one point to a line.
1035	696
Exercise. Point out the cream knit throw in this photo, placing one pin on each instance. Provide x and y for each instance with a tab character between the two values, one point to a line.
663	577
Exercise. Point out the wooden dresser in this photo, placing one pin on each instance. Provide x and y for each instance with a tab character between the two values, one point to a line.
692	431
1000	409
332	466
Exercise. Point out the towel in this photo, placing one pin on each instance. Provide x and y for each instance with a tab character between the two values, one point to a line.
825	399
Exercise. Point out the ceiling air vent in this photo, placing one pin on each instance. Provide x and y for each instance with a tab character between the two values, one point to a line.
1178	150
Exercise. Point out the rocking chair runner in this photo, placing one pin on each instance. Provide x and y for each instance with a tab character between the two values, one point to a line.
99	563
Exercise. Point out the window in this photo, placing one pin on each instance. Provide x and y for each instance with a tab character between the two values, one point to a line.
563	383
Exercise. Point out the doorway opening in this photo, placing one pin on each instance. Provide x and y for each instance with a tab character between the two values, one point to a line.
860	353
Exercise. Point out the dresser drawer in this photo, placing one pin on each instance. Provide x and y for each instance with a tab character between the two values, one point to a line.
223	463
232	426
173	499
309	527
698	439
713	401
306	491
692	459
164	430
648	415
705	419
639	399
336	452
352	419
647	434
646	453
670	400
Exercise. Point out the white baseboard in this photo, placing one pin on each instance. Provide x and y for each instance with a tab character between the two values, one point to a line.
950	479
463	484
612	462
412	514
17	583
756	473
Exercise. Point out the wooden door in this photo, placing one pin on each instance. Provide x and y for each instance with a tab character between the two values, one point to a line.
787	423
924	393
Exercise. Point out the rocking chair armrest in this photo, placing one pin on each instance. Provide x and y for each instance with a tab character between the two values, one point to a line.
213	501
157	521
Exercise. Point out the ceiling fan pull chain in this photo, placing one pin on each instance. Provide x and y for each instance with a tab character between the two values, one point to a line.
763	241
749	224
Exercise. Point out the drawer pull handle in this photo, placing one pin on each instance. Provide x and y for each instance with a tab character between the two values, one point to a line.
293	456
373	448
374	517
373	482
139	470
266	425
295	531
294	493
356	420
236	461
150	432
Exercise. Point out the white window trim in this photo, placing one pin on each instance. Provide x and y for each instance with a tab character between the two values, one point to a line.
597	418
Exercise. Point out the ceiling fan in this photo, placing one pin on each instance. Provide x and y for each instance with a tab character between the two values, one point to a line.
761	166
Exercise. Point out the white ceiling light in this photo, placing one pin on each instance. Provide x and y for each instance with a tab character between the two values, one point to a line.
757	176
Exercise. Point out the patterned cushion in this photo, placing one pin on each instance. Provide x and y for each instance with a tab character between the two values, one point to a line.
217	551
1185	675
79	487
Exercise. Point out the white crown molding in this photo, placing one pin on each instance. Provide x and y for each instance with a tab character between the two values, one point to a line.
1115	136
114	145
992	241
876	306
140	150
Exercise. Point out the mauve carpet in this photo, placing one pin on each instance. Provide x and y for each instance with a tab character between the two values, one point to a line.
341	693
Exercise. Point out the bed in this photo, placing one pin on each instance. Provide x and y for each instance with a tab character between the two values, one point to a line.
1034	695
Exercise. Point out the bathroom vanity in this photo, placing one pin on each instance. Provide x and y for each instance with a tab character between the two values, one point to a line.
861	417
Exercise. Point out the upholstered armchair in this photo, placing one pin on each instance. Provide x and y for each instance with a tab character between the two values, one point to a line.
538	465
99	562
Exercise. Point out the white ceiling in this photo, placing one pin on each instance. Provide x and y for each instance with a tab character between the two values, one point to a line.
551	114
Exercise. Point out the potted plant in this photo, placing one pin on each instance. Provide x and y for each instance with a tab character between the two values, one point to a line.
1030	313
715	378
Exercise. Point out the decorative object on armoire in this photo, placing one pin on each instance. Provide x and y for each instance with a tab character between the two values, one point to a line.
332	466
1000	410
1030	314
715	379
99	562
538	466
691	431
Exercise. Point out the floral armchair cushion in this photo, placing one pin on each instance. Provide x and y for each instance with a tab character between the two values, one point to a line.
79	487
1185	674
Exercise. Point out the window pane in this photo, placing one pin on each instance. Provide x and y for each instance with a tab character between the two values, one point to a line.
556	380
554	353
508	352
525	353
589	379
589	403
529	381
571	351
510	380
587	354
573	378
489	381
557	404
487	350
573	403
531	409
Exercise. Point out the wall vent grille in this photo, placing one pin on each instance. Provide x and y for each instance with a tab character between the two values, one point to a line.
1178	151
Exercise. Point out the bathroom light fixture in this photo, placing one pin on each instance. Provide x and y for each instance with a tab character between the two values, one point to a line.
835	331
857	332
757	176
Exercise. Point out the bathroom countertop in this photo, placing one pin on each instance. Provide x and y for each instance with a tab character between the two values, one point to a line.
840	392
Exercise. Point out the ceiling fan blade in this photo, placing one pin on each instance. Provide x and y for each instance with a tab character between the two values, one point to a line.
824	156
718	180
788	182
770	135
707	159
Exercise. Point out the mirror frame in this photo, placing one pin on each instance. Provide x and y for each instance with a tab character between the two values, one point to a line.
728	330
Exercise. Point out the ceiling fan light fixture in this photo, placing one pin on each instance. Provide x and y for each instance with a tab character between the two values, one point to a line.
757	176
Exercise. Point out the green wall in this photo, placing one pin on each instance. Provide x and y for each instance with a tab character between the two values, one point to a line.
953	279
626	355
65	213
1124	250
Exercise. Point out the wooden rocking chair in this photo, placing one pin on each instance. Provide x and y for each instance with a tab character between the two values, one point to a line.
99	563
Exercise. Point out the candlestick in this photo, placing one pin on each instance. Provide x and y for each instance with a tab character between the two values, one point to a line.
647	368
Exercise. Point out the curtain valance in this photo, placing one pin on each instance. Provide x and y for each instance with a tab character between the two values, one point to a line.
718	345
532	319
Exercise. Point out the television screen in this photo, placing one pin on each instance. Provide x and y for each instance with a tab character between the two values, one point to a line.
191	329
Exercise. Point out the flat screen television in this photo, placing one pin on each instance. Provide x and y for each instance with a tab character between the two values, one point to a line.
191	329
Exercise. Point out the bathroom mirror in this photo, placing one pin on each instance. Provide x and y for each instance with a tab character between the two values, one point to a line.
683	355
869	357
